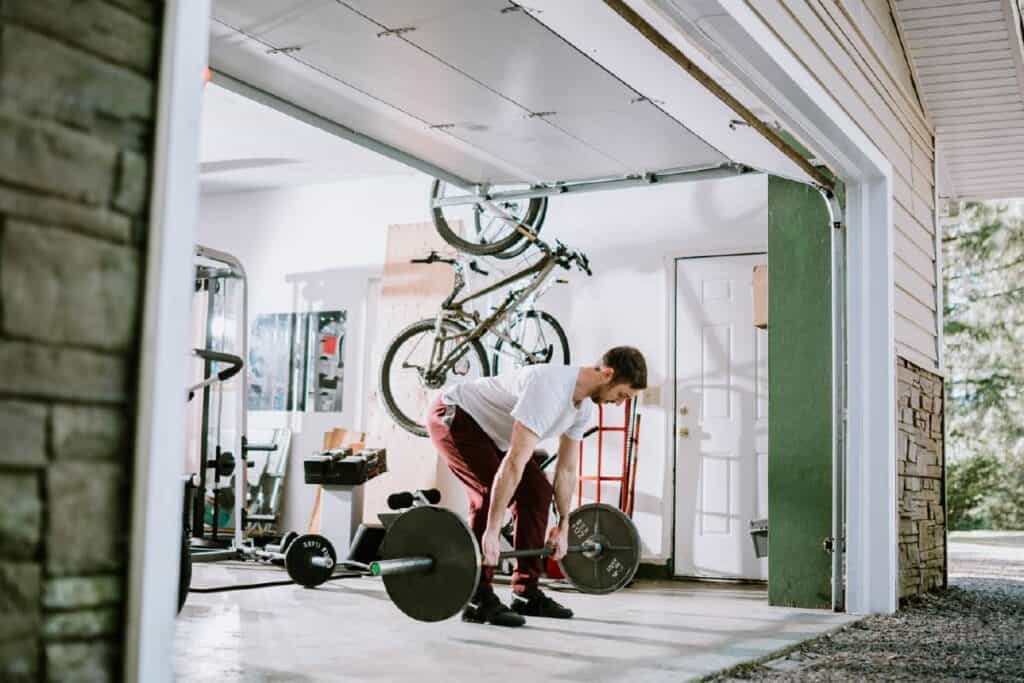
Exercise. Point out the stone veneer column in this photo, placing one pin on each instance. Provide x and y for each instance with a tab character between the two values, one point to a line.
77	104
921	473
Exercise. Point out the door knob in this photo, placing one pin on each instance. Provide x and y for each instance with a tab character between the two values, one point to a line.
684	432
684	411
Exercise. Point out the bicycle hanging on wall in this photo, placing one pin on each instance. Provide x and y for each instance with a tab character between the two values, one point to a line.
431	354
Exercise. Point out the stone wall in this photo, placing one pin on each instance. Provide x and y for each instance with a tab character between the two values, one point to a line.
77	102
920	473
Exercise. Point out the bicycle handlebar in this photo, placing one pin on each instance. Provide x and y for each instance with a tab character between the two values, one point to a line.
434	257
566	257
563	256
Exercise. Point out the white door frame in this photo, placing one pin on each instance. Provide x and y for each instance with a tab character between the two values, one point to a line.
741	42
157	493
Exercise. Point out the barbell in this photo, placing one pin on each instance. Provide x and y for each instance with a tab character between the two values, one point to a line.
430	560
309	559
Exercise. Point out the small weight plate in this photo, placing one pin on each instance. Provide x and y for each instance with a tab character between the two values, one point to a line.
225	464
619	559
287	540
298	560
440	534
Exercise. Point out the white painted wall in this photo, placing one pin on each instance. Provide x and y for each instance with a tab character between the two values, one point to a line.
337	232
305	249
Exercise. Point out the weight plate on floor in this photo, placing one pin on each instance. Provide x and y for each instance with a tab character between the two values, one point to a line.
298	560
615	565
287	540
440	534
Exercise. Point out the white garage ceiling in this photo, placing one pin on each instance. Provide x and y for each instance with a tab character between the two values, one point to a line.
510	101
248	146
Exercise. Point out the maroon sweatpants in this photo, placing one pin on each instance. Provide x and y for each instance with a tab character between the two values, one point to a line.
474	457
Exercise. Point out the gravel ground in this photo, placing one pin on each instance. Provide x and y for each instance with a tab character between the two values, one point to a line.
972	631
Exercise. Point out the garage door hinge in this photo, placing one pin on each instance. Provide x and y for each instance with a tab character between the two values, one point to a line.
644	98
519	8
284	50
830	544
396	31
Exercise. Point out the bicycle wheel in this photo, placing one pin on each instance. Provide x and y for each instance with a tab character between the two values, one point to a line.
542	339
405	390
487	234
524	244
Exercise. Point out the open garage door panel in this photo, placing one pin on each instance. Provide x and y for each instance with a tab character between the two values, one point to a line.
476	91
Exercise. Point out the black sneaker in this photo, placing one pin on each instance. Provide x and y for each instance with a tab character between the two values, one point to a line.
488	609
536	604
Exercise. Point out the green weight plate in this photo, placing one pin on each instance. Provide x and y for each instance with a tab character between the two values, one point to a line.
616	564
298	560
440	534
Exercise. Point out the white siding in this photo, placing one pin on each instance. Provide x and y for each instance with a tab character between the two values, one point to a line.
854	49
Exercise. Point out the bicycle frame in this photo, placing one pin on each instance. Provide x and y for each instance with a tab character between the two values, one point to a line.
452	309
514	349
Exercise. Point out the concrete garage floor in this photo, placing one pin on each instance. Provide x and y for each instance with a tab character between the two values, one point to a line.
348	630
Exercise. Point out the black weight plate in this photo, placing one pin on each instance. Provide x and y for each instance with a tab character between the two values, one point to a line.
225	464
287	540
440	534
615	566
184	571
298	560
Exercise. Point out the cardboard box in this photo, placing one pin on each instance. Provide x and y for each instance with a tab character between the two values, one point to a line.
761	296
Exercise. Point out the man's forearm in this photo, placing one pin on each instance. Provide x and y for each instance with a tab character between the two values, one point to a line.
506	481
565	482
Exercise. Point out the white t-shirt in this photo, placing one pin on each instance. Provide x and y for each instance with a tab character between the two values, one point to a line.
539	396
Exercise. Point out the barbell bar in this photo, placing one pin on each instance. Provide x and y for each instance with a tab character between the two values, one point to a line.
411	565
430	559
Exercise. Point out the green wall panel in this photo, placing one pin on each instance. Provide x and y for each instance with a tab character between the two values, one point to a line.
800	395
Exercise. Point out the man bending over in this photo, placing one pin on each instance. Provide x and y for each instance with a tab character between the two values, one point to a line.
487	429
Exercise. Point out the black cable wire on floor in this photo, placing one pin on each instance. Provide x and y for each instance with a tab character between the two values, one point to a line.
265	584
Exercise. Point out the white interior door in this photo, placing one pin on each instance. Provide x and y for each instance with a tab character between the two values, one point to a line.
721	418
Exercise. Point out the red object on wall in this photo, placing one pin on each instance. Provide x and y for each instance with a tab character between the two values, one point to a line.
328	344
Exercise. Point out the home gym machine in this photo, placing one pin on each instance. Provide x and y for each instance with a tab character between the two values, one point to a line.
217	531
219	327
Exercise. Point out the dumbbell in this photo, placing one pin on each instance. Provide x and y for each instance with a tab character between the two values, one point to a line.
309	558
407	499
431	560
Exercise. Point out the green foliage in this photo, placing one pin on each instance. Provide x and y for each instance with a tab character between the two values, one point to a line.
1005	507
983	264
969	482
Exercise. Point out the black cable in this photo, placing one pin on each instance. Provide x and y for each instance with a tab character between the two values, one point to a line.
266	584
240	587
